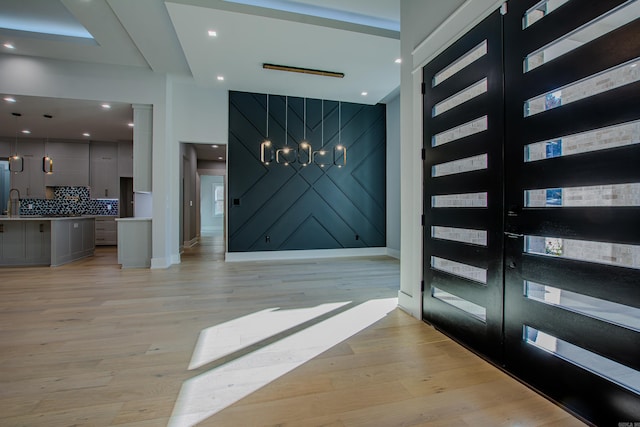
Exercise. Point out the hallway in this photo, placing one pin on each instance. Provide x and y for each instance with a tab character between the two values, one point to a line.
305	343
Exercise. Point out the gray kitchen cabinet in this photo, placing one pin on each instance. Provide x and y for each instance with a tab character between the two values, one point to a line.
106	231
25	243
125	159
5	148
30	181
104	179
72	239
88	236
12	243
37	238
45	241
70	164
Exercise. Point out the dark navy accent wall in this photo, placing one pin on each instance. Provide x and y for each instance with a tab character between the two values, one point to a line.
276	207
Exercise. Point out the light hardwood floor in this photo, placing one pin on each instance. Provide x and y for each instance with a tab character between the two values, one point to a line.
242	344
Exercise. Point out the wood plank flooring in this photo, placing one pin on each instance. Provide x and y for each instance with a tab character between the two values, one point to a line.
239	344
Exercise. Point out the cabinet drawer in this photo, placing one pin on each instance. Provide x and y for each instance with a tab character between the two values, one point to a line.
106	237
106	224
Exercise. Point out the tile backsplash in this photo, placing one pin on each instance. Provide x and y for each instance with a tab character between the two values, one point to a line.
69	201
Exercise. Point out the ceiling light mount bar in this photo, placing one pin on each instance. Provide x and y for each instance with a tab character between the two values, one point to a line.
291	69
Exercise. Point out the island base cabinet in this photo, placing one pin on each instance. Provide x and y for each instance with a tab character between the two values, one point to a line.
25	243
38	242
72	239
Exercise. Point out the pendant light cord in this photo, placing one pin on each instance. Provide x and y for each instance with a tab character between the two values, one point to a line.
339	123
322	127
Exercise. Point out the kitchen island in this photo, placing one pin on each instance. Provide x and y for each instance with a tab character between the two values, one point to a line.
41	240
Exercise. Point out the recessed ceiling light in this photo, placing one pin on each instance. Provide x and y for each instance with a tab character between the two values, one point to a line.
364	93
27	131
212	33
220	78
106	106
130	125
86	134
9	46
634	65
398	61
220	158
214	146
10	99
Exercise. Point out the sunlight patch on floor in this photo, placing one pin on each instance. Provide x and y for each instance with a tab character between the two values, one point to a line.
207	394
224	339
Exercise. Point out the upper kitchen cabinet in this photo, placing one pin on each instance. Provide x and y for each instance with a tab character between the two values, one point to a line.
70	164
125	159
30	180
5	149
105	182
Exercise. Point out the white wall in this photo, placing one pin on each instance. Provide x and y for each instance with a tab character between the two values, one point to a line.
201	115
421	39
393	176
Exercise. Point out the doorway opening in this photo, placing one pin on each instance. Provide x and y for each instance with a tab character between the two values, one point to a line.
203	194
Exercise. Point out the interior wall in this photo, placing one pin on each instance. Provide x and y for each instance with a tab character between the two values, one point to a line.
393	176
201	115
277	207
189	194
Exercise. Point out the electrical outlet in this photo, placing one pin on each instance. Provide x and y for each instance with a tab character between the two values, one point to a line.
30	206
108	207
267	239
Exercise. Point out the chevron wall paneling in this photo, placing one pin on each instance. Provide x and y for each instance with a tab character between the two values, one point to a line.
275	207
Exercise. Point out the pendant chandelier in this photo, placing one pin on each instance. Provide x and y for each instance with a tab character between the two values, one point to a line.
304	154
16	163
47	162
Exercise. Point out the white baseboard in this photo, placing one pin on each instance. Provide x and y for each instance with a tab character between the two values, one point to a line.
190	243
175	259
303	254
163	262
393	253
410	305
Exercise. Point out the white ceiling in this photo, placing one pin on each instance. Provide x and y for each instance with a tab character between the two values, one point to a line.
71	118
171	37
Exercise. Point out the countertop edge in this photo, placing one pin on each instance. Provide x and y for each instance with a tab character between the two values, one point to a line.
45	218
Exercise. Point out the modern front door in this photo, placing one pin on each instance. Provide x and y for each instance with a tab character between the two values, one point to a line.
532	199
